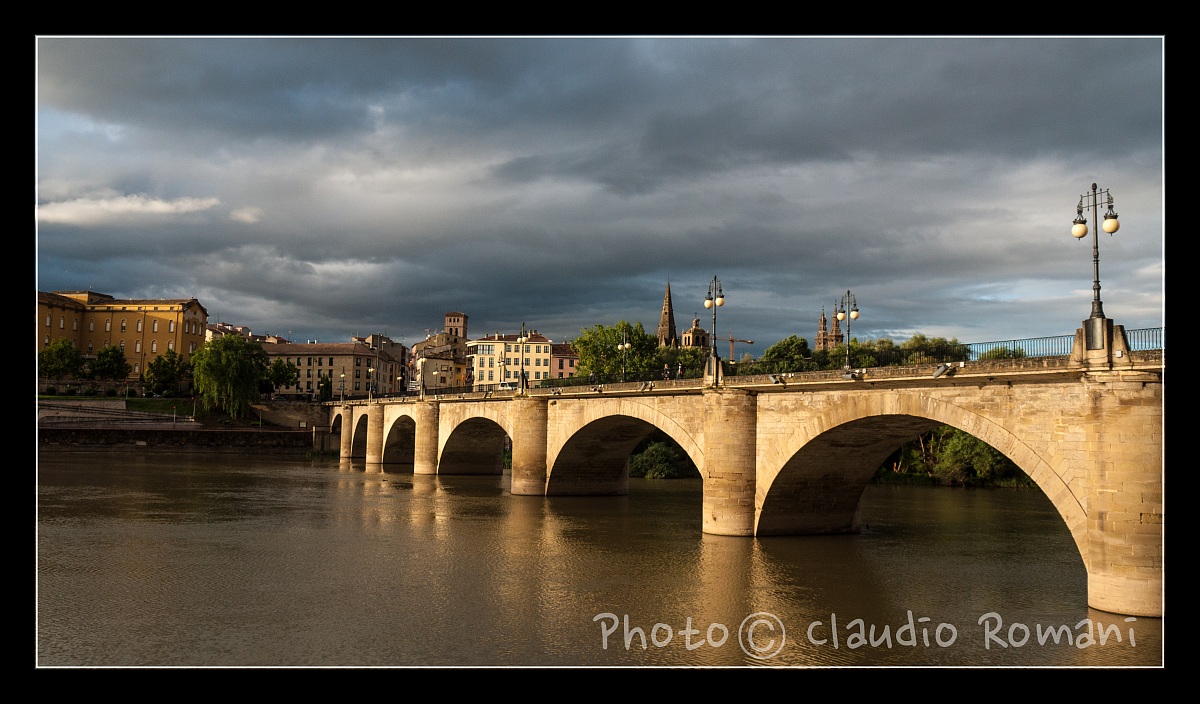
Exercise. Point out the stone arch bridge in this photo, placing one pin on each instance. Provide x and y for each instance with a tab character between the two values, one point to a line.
792	454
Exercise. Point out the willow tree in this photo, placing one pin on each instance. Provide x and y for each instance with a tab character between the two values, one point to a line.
227	373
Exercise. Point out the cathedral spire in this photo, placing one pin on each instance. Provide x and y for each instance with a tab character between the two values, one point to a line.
667	334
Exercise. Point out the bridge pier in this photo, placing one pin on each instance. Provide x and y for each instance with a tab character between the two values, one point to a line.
1124	498
529	418
347	439
425	452
730	461
374	434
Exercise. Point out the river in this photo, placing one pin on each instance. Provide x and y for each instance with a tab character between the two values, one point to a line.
148	560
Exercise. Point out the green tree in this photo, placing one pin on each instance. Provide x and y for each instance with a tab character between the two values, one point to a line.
283	373
166	373
59	360
600	354
661	460
921	349
966	460
689	359
790	354
227	373
1002	352
953	457
110	364
324	388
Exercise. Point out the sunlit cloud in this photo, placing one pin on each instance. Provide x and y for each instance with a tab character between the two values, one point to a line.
92	211
246	215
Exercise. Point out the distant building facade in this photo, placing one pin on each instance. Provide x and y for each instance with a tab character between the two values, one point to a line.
440	361
365	366
143	329
563	360
498	360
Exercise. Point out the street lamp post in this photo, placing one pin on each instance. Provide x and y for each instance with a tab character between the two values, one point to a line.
370	382
714	299
622	346
847	310
1092	201
342	385
521	340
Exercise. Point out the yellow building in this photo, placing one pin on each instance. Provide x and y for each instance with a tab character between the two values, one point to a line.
498	360
143	329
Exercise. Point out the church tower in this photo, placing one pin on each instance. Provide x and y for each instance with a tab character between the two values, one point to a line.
827	340
667	335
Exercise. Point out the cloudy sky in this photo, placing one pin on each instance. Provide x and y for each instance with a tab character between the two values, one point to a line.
319	188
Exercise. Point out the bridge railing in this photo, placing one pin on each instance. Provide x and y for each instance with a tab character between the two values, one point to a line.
1145	339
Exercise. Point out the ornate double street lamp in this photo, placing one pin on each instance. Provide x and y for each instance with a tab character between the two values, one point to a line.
715	298
1095	327
847	310
521	340
622	346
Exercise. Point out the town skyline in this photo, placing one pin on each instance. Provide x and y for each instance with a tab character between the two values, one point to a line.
321	188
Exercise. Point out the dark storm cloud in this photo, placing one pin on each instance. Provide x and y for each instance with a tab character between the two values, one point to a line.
334	186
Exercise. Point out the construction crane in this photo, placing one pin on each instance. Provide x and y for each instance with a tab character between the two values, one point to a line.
732	340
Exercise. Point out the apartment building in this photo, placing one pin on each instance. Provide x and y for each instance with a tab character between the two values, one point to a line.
364	367
497	361
143	329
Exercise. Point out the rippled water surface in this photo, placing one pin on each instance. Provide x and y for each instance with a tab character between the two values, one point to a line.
222	561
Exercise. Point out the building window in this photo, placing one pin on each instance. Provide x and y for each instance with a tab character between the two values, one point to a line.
62	322
137	369
137	347
89	346
122	345
75	324
139	326
122	325
91	326
171	326
154	326
318	361
170	345
154	347
331	364
108	325
47	320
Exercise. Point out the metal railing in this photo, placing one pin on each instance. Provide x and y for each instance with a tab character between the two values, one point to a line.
1056	346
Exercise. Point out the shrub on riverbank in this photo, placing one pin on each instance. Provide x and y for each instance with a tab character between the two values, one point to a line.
662	460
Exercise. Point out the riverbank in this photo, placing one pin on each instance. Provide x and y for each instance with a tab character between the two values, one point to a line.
239	440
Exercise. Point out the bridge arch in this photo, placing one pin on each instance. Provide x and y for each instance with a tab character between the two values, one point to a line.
590	454
813	479
474	442
400	442
358	434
